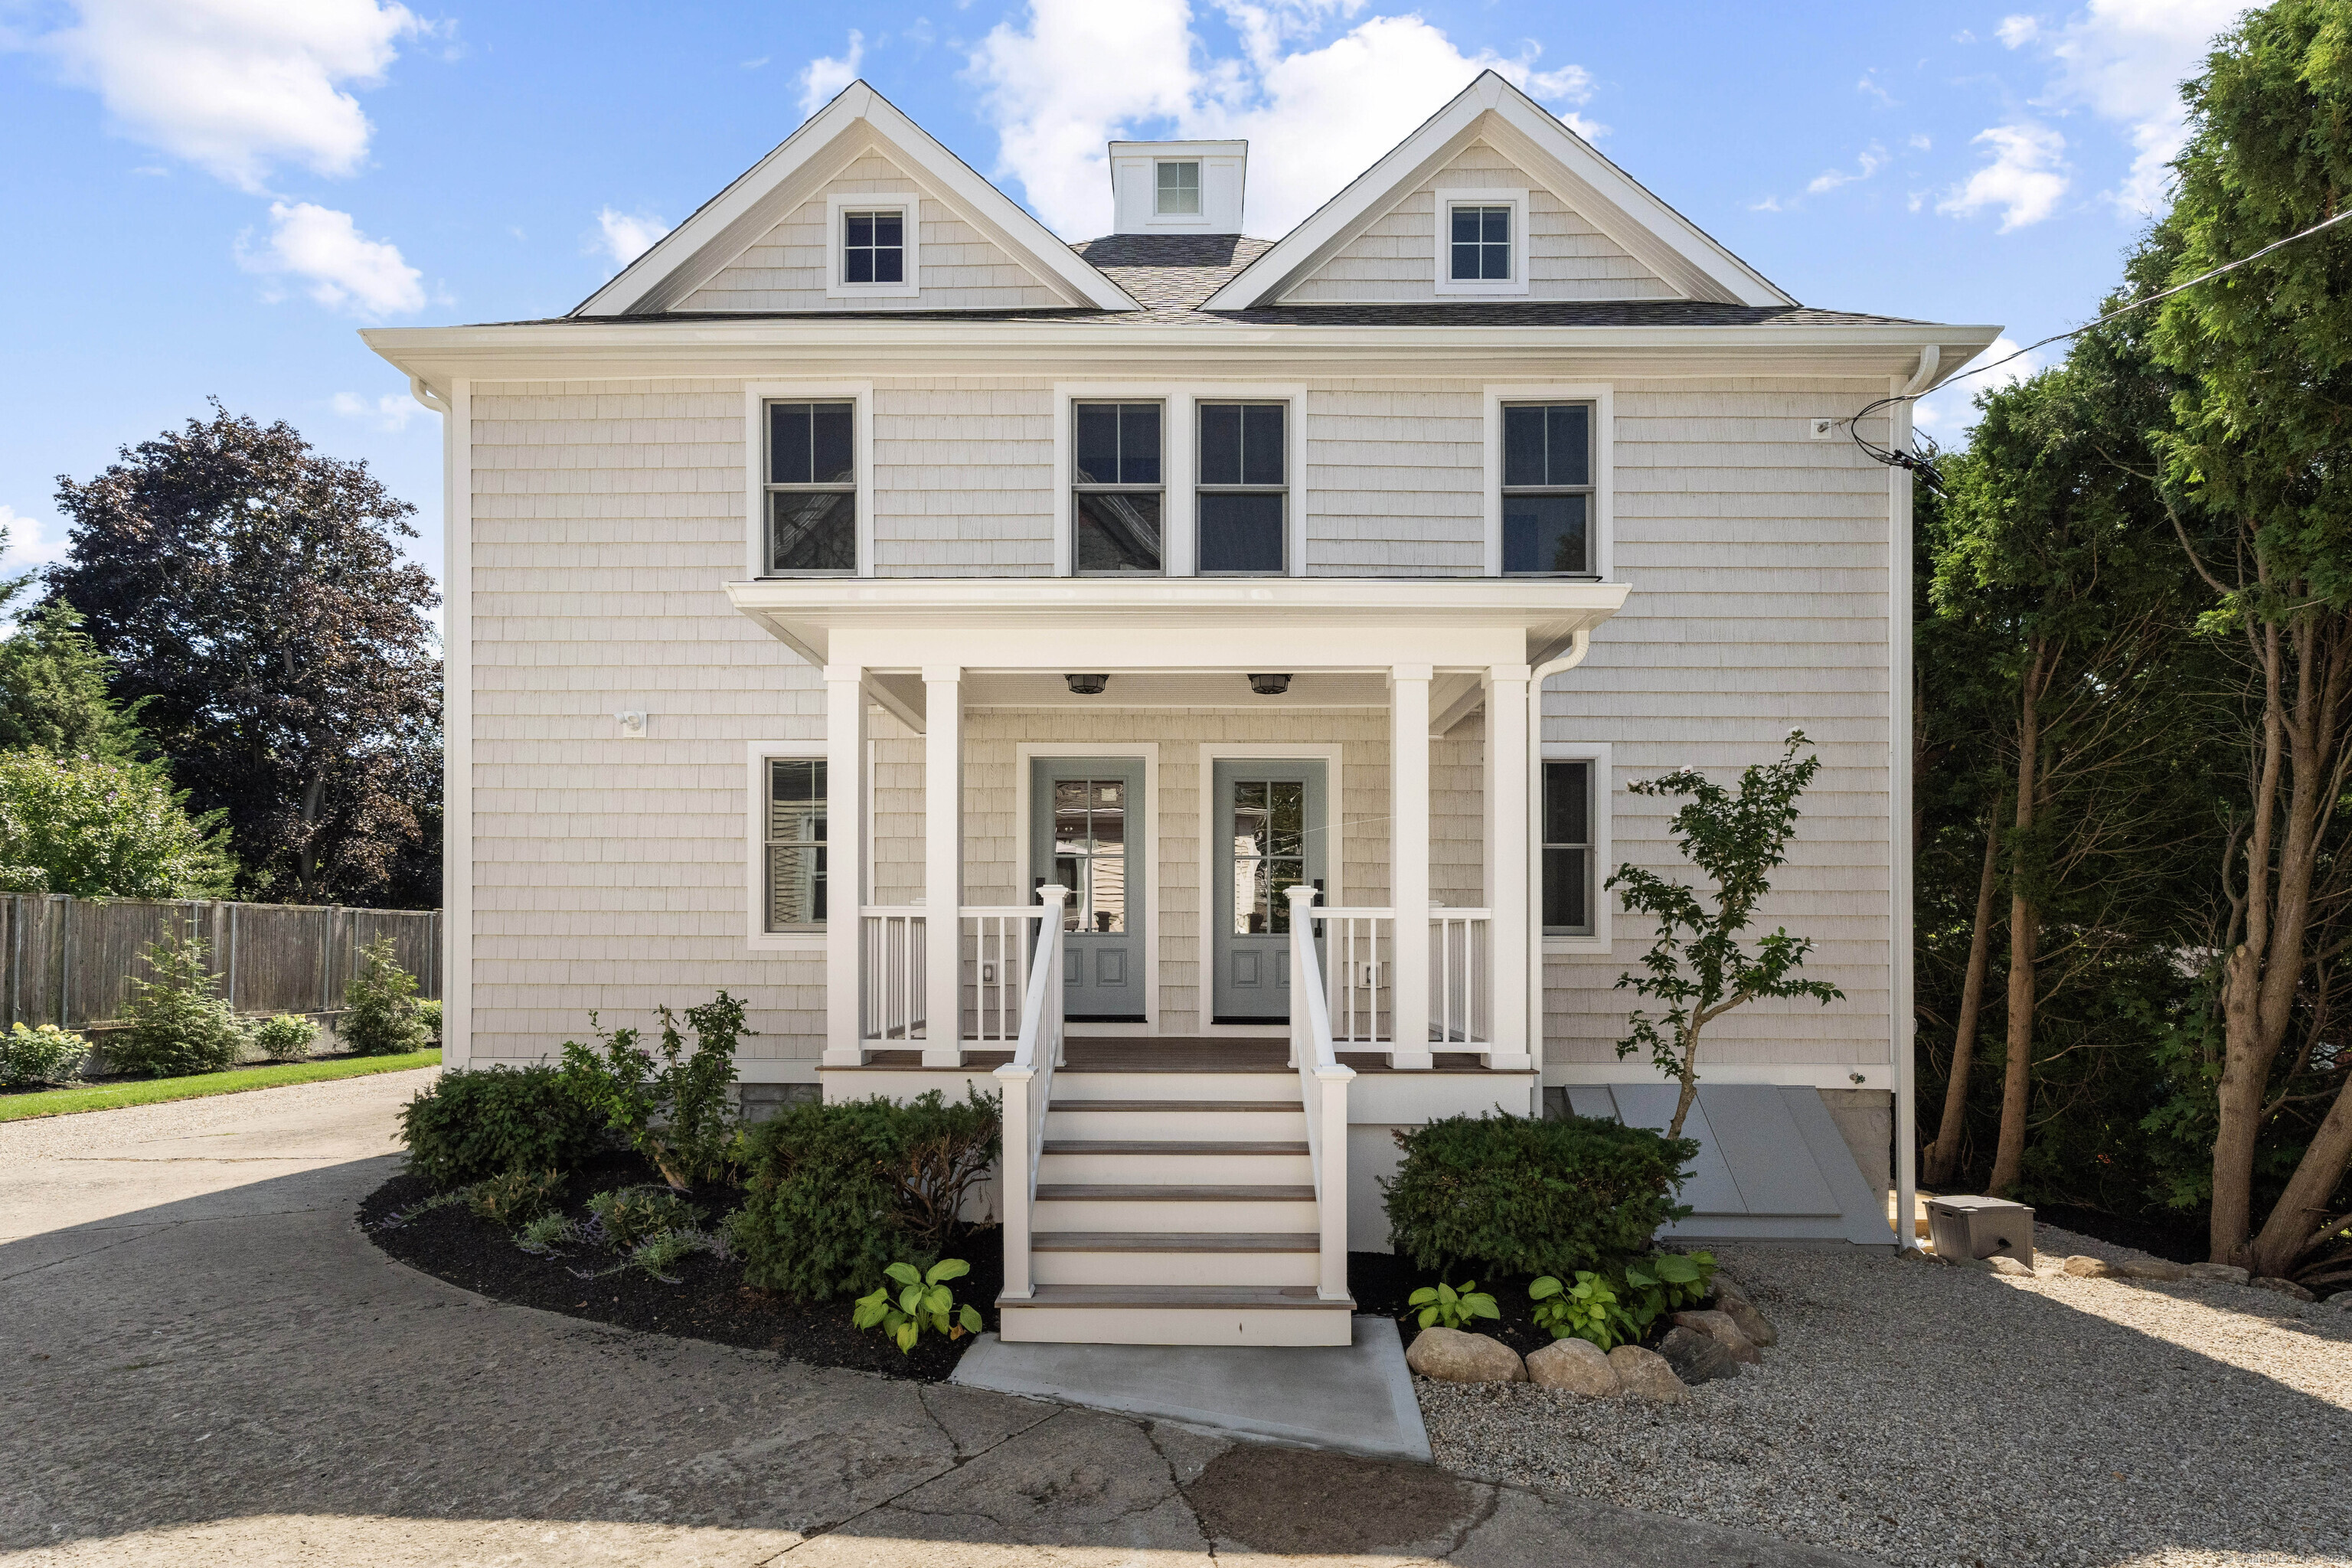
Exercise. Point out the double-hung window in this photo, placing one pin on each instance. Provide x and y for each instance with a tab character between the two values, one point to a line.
1243	498
874	247
1117	487
1568	848
1481	244
1548	492
794	833
812	489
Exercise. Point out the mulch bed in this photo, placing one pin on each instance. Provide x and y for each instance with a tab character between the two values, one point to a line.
1381	1281
709	1302
2181	1239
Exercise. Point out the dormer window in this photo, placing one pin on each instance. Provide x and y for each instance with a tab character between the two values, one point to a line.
875	247
1179	190
1482	242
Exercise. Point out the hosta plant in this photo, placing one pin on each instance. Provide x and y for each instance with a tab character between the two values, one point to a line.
920	1301
1587	1309
1450	1306
1668	1282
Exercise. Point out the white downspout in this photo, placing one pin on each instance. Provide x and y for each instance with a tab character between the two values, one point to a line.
1580	643
1902	1022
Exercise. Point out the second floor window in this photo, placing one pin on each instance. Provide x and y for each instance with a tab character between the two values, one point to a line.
811	519
1568	848
1117	487
795	844
1482	244
874	247
1243	488
1548	489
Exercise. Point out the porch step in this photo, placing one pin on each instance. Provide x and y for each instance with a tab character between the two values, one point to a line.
1175	1241
1227	1106
1153	1192
1138	1257
1094	1120
1120	1209
1168	1146
1074	1085
1183	1161
1176	1315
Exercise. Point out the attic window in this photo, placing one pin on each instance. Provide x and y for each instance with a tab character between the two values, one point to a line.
1179	191
874	248
1482	244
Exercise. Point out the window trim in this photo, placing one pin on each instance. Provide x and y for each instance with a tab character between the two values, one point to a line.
1603	904
1180	463
1282	488
1164	490
1604	432
757	395
757	936
908	207
1440	241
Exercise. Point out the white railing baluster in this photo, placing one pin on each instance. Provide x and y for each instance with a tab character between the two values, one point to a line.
1461	953
1026	1083
1323	1094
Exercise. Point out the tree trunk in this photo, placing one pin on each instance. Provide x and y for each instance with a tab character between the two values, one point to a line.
1944	1153
2024	939
2303	1207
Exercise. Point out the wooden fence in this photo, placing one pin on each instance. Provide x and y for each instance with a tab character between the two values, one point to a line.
70	960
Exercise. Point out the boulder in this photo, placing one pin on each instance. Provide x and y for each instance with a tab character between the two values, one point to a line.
2218	1273
1645	1374
1452	1356
2004	1264
2150	1269
1725	1288
2083	1267
2283	1287
1697	1357
1753	1323
1720	1328
1576	1366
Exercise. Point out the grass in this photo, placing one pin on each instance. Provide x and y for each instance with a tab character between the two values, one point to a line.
235	1080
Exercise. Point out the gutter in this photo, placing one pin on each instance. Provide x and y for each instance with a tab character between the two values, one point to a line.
1579	644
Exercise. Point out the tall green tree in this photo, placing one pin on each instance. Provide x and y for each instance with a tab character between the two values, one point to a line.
54	691
96	828
253	599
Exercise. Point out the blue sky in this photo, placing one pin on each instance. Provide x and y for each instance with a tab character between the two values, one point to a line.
213	196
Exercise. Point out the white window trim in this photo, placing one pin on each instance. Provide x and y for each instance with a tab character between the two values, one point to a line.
1604	486
757	395
1604	789
909	208
1180	463
1516	200
1148	752
1334	860
757	935
1200	190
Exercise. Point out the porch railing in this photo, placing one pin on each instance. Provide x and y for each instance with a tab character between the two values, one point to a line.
992	950
1026	1083
892	950
1359	945
1461	976
1323	1092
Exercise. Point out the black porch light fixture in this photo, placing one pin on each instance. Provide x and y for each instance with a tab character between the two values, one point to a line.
1086	685
1269	685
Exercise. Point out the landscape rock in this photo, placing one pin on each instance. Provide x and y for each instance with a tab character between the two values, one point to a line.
1452	1356
1697	1357
1720	1328
1752	1324
1725	1287
2283	1287
1576	1366
2084	1266
2221	1273
2004	1264
2151	1269
1646	1374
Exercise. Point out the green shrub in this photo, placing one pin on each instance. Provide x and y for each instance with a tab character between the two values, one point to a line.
1451	1306
106	828
1514	1195
45	1055
516	1197
285	1038
678	1113
470	1124
838	1192
179	1022
430	1014
380	1007
1671	1282
921	1301
635	1216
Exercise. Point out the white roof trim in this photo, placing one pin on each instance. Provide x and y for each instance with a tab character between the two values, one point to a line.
1597	190
690	253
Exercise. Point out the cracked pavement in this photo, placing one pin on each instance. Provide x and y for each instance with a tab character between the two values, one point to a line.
204	1361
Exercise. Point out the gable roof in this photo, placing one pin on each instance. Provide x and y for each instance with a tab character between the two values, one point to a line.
723	226
1597	190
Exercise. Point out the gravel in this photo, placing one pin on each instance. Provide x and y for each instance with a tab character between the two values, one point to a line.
1930	1416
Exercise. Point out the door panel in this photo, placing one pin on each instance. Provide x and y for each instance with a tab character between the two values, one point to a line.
1086	827
1269	831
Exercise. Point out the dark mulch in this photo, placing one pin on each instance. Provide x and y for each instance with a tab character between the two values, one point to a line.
2181	1240
1381	1281
710	1302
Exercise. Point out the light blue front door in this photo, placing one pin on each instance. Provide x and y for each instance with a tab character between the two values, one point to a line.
1086	822
1269	826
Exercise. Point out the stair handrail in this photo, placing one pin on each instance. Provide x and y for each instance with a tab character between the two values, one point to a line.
1026	1083
1323	1094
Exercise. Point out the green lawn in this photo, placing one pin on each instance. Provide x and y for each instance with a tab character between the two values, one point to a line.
148	1091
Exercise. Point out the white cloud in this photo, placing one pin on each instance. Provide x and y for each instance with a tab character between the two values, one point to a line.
236	86
2025	179
344	269
823	78
31	542
1869	86
627	235
1873	159
2016	30
1949	412
391	412
1919	141
1314	116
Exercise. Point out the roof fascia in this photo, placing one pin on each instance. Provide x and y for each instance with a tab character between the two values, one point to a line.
1603	194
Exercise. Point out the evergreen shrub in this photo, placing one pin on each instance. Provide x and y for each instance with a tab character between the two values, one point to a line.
380	1014
471	1124
180	1023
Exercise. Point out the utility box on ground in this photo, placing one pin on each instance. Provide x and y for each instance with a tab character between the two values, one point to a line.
1980	1227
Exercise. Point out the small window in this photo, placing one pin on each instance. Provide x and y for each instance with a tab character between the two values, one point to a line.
811	488
874	247
1568	848
795	844
1482	244
1548	489
1243	488
1179	189
1117	489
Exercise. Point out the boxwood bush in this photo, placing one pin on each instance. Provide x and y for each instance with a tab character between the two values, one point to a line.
1512	1195
474	1123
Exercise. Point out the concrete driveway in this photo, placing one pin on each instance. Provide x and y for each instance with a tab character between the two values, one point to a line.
202	1359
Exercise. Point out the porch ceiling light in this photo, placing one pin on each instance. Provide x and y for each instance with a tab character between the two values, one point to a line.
1269	685
1086	685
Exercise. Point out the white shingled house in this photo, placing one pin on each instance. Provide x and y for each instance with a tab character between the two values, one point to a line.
866	581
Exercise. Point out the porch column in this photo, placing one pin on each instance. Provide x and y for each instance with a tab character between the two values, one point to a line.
1409	862
942	866
1511	946
845	767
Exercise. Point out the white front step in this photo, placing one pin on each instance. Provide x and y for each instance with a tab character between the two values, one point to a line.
1186	1120
1070	1084
1161	1315
1084	1259
1187	1213
1179	1164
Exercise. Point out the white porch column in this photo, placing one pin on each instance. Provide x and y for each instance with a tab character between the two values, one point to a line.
1409	861
942	866
1512	947
844	832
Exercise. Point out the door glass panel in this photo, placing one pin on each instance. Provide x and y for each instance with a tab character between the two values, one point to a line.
1269	853
1090	853
1107	893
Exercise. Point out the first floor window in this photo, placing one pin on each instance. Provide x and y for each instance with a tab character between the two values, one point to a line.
1482	244
874	247
812	521
1546	500
796	843
1117	487
1568	848
1241	487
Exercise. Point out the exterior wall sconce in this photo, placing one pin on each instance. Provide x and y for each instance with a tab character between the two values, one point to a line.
1269	685
1086	685
632	724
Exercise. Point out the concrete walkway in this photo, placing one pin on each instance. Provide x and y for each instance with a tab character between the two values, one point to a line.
203	1361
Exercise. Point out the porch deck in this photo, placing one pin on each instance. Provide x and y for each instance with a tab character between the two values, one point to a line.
1181	1053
